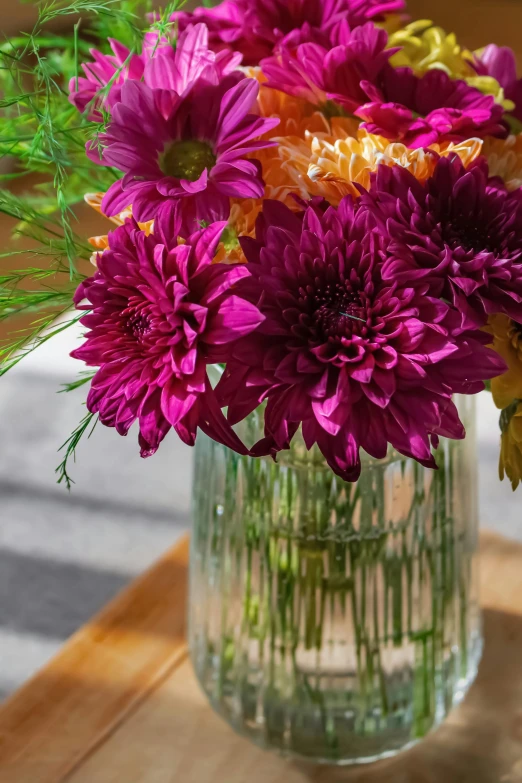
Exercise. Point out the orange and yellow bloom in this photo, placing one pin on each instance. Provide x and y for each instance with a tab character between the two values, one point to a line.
507	342
510	463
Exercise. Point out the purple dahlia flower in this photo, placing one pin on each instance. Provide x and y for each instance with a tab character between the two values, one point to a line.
256	27
191	152
358	361
159	314
458	232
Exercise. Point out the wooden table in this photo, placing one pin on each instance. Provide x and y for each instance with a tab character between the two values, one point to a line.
120	704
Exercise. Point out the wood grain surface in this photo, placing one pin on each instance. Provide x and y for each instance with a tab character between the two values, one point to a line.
120	704
102	674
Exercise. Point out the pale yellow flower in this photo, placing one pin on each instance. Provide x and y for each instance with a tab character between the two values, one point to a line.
510	463
504	157
332	166
101	243
426	47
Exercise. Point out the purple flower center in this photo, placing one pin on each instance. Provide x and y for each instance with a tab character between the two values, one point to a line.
187	159
469	233
138	326
339	311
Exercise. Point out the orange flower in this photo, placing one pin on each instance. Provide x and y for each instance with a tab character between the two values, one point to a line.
101	243
315	155
297	117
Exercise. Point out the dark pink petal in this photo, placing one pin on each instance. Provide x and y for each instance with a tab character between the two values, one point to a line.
224	277
233	182
153	427
214	424
176	401
236	103
116	199
235	318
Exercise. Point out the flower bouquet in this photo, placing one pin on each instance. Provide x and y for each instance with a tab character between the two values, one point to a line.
315	258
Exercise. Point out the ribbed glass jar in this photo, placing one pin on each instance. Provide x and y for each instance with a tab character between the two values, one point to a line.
335	622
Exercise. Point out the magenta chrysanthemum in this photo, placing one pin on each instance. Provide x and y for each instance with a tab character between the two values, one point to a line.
161	312
256	27
159	66
191	152
457	232
357	360
393	102
319	74
423	110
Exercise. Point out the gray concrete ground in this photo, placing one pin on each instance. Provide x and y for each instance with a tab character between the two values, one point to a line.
63	556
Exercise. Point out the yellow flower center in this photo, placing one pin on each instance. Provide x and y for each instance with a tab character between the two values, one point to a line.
187	159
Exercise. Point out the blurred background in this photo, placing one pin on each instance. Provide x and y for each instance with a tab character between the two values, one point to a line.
64	555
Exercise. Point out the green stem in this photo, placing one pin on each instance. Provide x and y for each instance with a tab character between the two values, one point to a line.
338	590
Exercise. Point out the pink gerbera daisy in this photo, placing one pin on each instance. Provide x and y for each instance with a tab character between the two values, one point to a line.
159	314
189	151
357	360
101	85
160	65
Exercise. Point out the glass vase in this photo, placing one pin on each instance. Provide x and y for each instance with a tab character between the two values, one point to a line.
330	621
